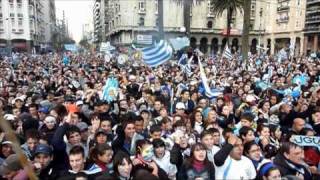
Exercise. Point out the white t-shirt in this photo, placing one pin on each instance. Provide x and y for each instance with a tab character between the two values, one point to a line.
242	169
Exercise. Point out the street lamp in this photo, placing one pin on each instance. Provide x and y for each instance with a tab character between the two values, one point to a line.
8	35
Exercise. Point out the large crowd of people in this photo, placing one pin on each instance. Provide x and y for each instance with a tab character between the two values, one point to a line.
160	123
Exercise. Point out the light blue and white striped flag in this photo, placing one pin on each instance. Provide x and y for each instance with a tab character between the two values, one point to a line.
227	53
185	64
210	94
157	54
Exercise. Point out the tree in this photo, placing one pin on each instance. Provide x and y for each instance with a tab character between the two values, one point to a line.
84	43
231	6
187	5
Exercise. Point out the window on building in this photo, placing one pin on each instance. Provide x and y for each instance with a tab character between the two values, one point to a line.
11	1
156	6
141	21
209	24
142	6
1	22
20	22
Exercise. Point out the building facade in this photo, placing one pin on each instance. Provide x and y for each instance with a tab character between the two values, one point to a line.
50	23
99	20
312	26
22	25
270	23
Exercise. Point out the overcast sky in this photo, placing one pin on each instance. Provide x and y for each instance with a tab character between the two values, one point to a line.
77	12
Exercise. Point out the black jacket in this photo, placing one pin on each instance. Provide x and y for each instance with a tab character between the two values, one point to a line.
287	167
48	173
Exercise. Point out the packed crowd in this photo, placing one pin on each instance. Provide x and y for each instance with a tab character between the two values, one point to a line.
160	125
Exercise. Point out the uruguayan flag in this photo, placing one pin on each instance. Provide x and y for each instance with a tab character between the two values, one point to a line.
208	92
185	64
282	55
227	53
157	54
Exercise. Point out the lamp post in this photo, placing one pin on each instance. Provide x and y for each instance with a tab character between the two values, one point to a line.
8	35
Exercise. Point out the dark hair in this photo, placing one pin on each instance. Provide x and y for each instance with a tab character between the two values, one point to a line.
143	174
213	130
32	133
165	120
118	159
244	131
141	143
138	118
305	130
226	130
155	128
184	91
261	126
33	106
158	143
205	133
189	162
72	129
286	146
99	149
273	128
179	123
77	150
247	116
247	146
193	118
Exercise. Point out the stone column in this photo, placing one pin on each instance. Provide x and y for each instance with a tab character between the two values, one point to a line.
272	46
315	43
305	45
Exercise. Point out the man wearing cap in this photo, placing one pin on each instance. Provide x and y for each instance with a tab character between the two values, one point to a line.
42	163
13	169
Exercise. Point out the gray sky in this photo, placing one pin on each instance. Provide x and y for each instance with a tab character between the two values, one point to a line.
77	12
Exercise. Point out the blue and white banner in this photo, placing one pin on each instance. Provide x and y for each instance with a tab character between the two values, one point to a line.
306	140
71	47
208	92
227	53
110	90
282	55
185	64
157	54
106	47
179	43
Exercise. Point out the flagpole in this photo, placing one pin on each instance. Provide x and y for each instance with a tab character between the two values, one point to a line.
224	49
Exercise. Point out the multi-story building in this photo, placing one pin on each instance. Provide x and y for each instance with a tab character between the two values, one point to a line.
270	23
22	26
284	24
99	20
312	26
50	22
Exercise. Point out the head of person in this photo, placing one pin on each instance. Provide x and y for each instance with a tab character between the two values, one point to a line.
292	152
138	124
185	95
155	132
6	148
269	172
180	108
144	150
32	139
84	130
246	119
197	117
43	155
216	135
77	158
298	124
252	150
203	102
275	131
159	148
10	167
246	134
106	125
263	130
199	152
128	129
101	136
50	122
237	150
307	132
207	139
122	165
157	105
166	124
73	135
101	153
33	110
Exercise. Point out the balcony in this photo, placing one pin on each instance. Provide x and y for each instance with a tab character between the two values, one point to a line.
142	11
312	28
312	19
312	10
310	2
283	8
283	20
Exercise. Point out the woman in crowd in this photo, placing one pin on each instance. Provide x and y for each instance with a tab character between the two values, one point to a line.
101	157
122	166
198	165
